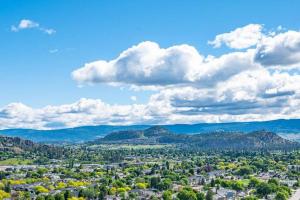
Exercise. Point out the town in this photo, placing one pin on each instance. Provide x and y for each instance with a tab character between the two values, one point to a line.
156	172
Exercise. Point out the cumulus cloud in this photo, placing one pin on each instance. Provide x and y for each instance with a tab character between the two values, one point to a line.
281	49
253	92
189	87
82	112
146	64
239	38
253	95
29	24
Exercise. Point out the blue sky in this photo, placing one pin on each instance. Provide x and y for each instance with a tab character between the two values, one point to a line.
36	67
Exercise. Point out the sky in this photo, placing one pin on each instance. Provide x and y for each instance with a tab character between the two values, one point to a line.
73	63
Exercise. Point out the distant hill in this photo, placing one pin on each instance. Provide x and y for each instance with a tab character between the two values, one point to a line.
147	136
21	146
211	141
68	135
286	128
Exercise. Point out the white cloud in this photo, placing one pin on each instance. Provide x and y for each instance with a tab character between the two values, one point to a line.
252	95
133	98
82	112
29	24
280	49
239	38
25	24
146	64
189	87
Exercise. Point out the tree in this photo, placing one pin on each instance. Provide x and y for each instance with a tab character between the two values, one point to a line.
40	189
80	193
7	188
200	196
167	195
250	198
187	195
168	165
253	182
281	196
165	184
67	194
154	181
238	185
209	195
141	185
212	183
49	197
40	197
274	181
191	171
264	189
202	181
59	197
4	195
246	170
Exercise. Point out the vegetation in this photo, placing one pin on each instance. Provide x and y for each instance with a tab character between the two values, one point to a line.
138	170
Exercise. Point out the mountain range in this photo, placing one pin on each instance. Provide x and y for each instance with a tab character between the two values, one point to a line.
289	129
208	141
258	140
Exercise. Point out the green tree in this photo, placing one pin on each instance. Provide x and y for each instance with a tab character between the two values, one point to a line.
245	170
209	195
281	196
165	184
49	197
200	196
40	197
7	188
167	195
212	183
187	195
154	181
263	189
67	194
274	181
59	197
250	198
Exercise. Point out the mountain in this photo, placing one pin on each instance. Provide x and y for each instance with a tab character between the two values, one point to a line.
68	135
289	129
213	140
147	136
20	146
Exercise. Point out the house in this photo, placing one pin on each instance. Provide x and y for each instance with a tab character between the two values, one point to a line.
289	183
294	168
196	179
215	174
144	193
112	197
225	194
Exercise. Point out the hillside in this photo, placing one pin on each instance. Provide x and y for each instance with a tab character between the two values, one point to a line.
20	146
286	128
68	135
147	136
213	140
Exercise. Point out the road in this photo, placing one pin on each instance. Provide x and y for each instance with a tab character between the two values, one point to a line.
296	195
